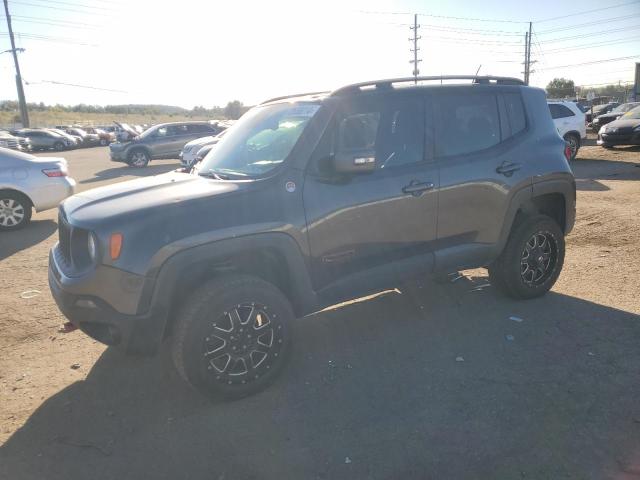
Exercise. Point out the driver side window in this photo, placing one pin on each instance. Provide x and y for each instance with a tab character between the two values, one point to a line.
395	132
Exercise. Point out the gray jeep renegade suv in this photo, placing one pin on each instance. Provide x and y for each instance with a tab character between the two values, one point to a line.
310	200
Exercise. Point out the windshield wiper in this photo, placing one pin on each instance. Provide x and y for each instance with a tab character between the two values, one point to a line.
213	174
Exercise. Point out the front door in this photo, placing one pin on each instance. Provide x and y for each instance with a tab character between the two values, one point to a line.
362	226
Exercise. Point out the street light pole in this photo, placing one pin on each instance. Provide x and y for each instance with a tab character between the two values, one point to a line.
24	114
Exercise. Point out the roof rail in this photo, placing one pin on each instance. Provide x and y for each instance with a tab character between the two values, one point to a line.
291	96
387	84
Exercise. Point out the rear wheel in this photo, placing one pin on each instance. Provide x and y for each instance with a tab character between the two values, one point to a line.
232	336
138	158
104	142
574	144
532	259
15	210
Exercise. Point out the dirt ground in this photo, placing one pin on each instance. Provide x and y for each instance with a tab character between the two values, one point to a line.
433	382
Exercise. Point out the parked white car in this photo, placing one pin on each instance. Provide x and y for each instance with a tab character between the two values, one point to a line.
570	122
189	154
28	182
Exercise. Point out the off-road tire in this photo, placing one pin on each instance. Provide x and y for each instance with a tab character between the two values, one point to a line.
205	315
510	273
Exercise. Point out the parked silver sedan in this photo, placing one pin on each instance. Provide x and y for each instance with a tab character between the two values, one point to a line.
27	183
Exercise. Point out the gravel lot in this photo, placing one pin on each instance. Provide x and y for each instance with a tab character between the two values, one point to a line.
434	382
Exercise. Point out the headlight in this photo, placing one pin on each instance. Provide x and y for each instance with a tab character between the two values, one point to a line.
597	120
602	129
92	246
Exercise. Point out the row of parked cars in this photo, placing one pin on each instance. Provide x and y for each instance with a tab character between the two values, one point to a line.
615	123
58	139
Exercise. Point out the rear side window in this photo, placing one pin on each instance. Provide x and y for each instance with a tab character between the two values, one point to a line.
466	123
200	128
515	111
559	111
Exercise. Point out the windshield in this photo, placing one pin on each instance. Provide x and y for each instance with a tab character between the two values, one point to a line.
260	141
635	113
625	107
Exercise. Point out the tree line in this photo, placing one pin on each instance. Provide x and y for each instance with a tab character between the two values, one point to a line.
233	109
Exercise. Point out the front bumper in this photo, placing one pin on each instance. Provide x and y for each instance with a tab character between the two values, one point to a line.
612	139
118	155
77	298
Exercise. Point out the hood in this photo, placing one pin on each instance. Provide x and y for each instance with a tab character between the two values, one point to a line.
610	115
128	128
623	122
138	197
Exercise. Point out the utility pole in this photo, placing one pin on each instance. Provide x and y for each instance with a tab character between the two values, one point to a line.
415	48
526	56
24	114
528	69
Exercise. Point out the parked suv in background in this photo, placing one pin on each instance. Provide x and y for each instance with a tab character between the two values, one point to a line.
161	141
570	122
42	139
310	200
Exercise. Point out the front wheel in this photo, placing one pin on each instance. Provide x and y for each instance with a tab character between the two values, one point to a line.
232	336
138	158
104	142
532	260
58	146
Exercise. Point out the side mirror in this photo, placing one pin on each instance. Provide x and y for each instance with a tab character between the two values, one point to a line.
354	162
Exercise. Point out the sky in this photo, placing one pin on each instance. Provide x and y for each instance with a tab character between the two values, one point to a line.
207	53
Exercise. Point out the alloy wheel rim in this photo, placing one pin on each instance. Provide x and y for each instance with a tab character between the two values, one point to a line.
242	344
11	212
139	158
573	145
538	259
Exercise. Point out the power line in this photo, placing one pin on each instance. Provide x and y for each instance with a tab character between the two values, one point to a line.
71	4
57	8
587	11
592	63
55	82
587	24
594	45
370	12
585	35
32	36
26	19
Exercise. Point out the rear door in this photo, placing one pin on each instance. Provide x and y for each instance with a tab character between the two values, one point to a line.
563	118
483	160
362	226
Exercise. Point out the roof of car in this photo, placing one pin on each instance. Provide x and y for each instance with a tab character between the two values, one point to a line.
404	82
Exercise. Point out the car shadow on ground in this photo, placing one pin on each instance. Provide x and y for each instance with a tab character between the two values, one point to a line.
126	171
32	234
441	381
591	169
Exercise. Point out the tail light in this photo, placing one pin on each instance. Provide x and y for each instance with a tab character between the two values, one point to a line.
567	152
55	172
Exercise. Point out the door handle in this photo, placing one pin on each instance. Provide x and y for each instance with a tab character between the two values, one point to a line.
507	169
416	188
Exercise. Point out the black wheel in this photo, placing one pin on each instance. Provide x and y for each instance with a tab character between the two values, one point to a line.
138	158
15	210
574	144
532	259
58	146
607	147
232	336
104	142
